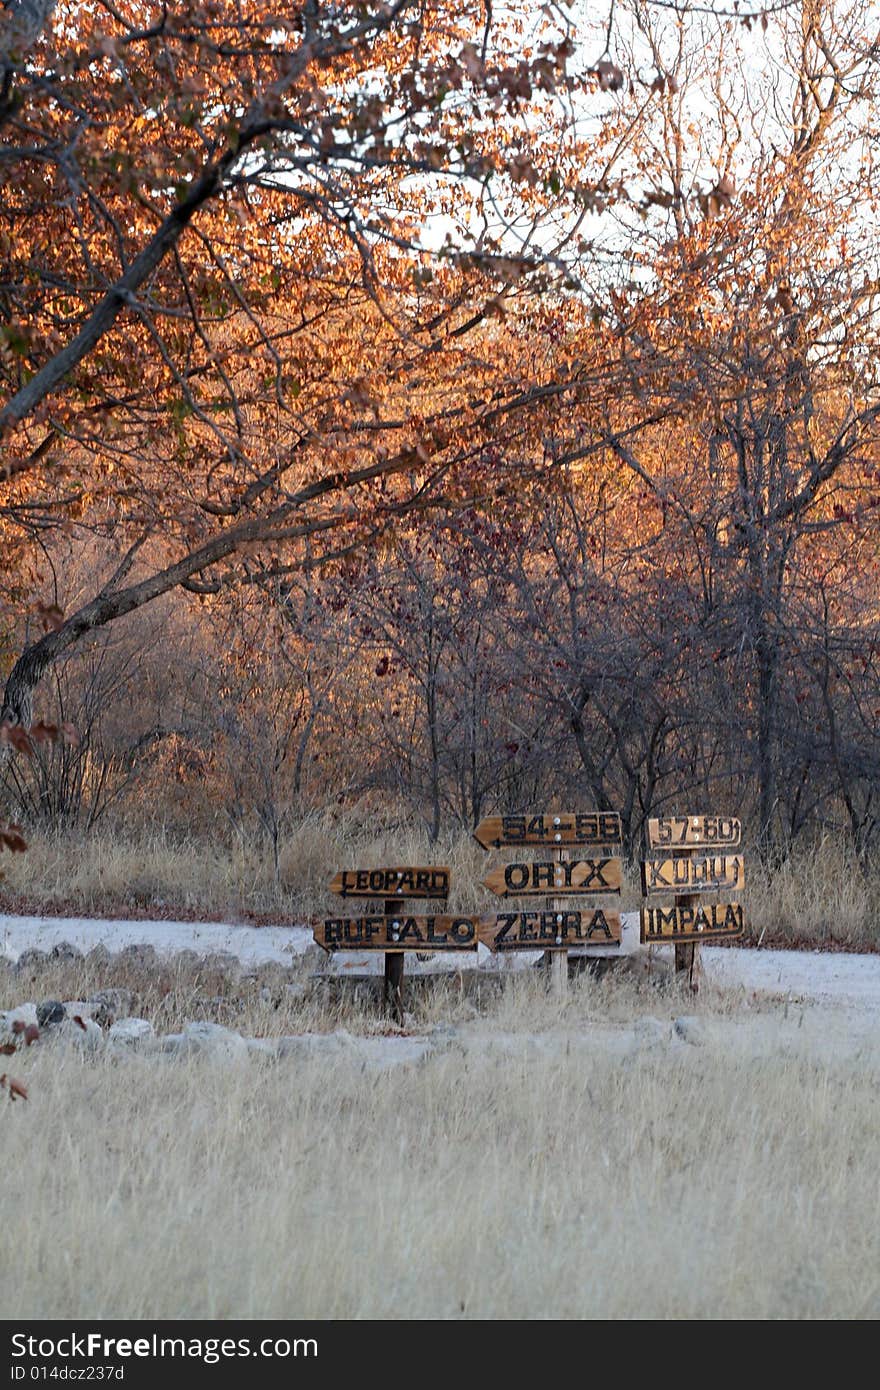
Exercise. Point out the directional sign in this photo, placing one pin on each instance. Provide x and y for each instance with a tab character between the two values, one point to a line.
556	879
706	922
430	882
592	829
678	876
548	931
403	933
693	832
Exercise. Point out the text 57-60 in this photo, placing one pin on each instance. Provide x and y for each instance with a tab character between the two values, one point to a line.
674	830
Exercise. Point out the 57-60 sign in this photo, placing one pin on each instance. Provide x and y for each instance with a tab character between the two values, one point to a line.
692	832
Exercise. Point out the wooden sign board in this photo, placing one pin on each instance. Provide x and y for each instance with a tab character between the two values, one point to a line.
678	876
549	931
403	933
705	922
430	882
590	829
693	832
555	879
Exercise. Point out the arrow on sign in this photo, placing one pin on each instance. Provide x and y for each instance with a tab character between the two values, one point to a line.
590	829
690	875
556	879
430	882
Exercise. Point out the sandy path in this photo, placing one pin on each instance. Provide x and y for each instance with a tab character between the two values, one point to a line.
828	977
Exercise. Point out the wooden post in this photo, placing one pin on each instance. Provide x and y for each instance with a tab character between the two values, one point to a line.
394	969
687	953
558	960
684	837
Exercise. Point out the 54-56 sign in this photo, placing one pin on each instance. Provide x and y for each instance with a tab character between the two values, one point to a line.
596	829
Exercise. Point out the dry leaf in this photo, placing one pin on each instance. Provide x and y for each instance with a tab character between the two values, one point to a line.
15	1088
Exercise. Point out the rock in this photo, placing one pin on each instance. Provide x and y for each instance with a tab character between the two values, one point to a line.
25	1014
130	1031
77	1007
141	954
185	960
50	1011
30	960
215	1039
65	950
383	1054
304	1046
95	1009
80	1032
106	1005
173	1044
690	1030
375	1054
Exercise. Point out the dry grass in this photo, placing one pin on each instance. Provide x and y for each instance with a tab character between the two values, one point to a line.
561	1180
273	1000
821	895
157	871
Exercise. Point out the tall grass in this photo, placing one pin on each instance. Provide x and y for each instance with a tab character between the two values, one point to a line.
821	895
561	1181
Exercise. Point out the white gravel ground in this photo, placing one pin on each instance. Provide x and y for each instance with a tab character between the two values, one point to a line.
821	976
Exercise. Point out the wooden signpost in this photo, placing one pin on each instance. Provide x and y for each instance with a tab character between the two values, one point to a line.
704	922
568	877
587	829
553	929
396	930
550	930
685	876
693	832
430	882
689	875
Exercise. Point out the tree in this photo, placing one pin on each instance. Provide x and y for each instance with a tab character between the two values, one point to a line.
746	337
402	277
227	332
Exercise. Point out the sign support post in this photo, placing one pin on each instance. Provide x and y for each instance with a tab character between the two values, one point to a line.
394	961
554	878
687	953
557	960
399	929
690	921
